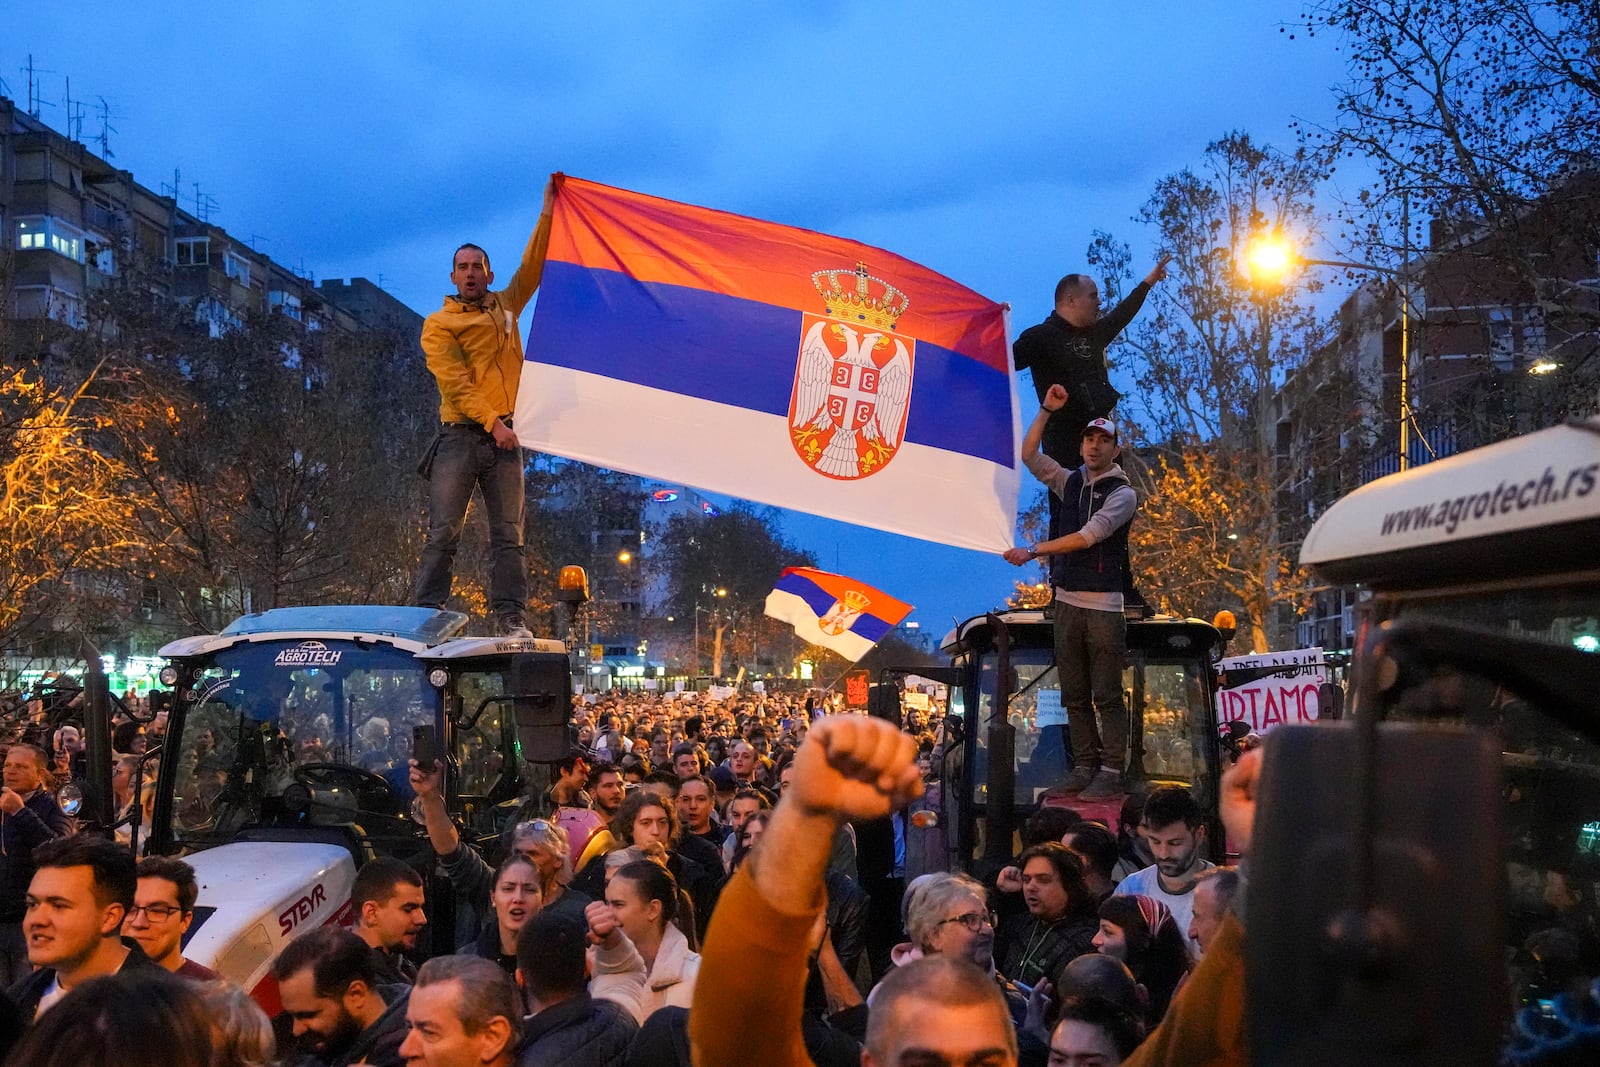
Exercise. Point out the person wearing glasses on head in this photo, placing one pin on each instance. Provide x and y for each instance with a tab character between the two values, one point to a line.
163	909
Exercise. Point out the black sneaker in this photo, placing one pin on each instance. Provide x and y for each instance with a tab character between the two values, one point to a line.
514	625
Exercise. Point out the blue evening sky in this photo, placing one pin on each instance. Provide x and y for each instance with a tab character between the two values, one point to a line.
986	141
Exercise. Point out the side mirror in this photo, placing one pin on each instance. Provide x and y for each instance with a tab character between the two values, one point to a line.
70	798
541	699
1330	701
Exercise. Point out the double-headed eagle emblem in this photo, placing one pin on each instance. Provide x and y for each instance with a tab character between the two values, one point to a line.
847	414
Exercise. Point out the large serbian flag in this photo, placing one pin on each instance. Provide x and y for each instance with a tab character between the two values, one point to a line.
833	611
773	364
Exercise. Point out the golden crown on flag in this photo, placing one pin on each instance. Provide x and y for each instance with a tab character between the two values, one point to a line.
855	600
857	296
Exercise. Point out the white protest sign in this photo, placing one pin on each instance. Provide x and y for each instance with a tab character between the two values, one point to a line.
1047	710
1288	696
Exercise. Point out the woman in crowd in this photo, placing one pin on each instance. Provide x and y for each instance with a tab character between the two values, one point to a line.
544	843
1140	932
646	821
644	898
749	834
241	1033
516	897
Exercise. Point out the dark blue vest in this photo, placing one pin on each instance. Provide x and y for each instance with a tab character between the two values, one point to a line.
1098	568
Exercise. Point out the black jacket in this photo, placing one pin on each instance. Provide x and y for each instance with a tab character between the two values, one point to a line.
26	992
41	819
379	1044
1074	358
581	1032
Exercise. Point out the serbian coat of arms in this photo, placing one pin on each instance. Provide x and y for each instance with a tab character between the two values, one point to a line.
852	382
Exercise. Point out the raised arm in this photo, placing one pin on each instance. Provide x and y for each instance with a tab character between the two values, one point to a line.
751	989
530	271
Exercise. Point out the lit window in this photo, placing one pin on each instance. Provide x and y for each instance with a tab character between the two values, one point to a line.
31	234
42	231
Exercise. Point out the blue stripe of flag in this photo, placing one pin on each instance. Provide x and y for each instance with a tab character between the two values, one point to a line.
820	600
742	352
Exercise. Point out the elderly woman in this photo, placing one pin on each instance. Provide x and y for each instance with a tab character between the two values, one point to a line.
544	843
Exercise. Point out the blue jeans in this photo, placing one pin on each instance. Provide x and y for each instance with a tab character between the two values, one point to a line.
1090	649
466	458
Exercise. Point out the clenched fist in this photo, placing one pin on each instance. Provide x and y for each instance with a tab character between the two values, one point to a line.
852	767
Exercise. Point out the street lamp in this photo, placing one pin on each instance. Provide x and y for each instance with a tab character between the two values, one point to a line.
1271	257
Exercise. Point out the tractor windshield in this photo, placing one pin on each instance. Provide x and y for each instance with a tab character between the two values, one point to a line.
333	717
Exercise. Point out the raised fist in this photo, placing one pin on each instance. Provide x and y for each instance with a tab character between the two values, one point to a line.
854	767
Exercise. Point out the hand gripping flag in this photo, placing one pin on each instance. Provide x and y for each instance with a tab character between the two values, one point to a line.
773	364
833	611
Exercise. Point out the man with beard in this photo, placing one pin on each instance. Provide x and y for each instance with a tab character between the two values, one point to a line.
1061	921
605	790
388	901
327	980
1174	827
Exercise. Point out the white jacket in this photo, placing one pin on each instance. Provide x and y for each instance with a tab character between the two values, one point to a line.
620	977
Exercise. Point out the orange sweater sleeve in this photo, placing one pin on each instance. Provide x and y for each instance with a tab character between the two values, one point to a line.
751	990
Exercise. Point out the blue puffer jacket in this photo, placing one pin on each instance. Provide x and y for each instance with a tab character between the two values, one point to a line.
581	1032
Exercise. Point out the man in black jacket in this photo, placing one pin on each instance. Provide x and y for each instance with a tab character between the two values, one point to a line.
1069	349
29	816
568	1027
327	980
79	895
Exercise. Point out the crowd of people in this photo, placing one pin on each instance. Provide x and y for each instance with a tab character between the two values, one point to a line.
587	930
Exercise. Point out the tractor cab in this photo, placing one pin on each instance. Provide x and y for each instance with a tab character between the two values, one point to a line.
285	764
1008	748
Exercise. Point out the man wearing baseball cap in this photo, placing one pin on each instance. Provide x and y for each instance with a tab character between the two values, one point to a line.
1087	575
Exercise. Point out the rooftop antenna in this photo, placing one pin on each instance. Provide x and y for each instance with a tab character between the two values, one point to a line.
104	140
204	203
256	241
172	190
74	129
36	100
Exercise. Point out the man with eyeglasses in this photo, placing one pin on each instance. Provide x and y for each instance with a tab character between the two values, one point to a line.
162	912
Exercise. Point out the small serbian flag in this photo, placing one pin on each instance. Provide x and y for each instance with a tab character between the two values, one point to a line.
773	364
833	611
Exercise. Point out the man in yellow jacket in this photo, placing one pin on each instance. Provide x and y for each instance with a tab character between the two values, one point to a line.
474	350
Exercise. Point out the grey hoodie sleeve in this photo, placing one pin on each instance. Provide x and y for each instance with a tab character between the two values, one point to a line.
1117	512
1052	474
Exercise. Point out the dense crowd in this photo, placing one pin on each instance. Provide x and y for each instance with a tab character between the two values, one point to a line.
635	887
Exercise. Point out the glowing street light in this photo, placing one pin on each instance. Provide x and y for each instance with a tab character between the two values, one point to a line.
1544	366
1271	257
624	556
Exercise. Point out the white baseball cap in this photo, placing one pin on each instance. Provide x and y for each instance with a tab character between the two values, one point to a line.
1105	426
